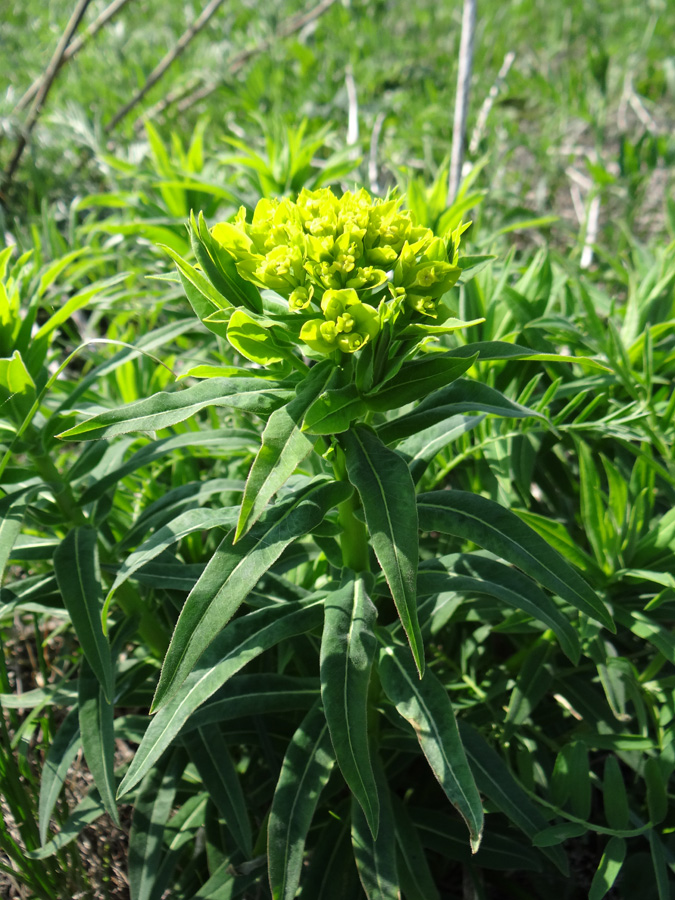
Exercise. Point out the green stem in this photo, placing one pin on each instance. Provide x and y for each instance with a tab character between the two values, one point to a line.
354	538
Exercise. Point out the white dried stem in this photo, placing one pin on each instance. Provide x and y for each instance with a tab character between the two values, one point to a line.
373	171
462	98
488	103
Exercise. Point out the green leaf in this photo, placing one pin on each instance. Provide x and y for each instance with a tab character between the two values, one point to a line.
208	751
12	511
531	685
416	379
462	396
334	410
419	449
62	751
347	649
415	876
165	409
243	640
657	797
614	795
661	875
233	572
500	787
17	389
387	495
489	350
479	574
191	275
556	834
331	871
608	869
306	768
151	813
284	446
376	857
87	811
263	342
220	267
96	716
77	572
186	523
500	531
580	781
425	704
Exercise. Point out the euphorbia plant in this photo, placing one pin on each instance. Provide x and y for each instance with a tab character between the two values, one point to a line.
339	304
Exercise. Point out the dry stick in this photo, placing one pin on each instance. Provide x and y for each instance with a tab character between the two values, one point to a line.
488	103
373	174
353	104
43	90
591	232
462	98
186	98
164	64
74	47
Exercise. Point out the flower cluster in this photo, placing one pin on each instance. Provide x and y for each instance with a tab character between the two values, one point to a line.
332	254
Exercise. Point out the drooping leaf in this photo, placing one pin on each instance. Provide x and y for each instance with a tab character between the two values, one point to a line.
387	495
419	449
425	704
234	570
305	770
347	650
284	446
500	531
165	409
77	572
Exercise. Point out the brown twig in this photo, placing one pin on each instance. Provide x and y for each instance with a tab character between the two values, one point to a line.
164	64
187	97
73	48
41	95
462	98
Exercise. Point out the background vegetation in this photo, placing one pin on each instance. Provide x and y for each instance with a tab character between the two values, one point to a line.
569	187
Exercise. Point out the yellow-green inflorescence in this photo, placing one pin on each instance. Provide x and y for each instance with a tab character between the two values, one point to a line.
338	257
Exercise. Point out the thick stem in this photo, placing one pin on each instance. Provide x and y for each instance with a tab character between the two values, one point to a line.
354	538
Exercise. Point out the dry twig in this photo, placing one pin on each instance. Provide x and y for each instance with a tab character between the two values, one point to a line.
462	98
187	96
74	47
161	67
373	174
488	103
41	95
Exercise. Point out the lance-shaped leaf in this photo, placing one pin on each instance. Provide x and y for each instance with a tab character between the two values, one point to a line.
209	753
77	573
186	523
243	640
334	410
416	379
462	396
220	267
62	752
414	873
498	784
347	649
426	706
12	510
419	449
98	737
500	531
376	856
233	572
284	446
481	575
304	773
503	350
387	495
255	395
151	813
